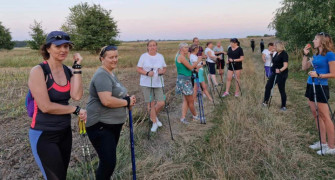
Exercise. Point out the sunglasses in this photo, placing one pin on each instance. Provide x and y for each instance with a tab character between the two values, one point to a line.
108	48
61	37
324	34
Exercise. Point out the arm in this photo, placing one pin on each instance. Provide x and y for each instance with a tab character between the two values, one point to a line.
283	68
140	70
108	100
237	60
161	71
76	91
263	57
187	64
325	76
212	56
305	64
39	91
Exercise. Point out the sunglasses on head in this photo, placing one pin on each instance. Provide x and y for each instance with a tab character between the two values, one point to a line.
324	34
108	48
61	37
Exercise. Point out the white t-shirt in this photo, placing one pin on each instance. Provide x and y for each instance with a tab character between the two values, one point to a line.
268	57
148	62
208	58
194	59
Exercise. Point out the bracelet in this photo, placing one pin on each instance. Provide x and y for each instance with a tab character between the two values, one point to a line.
127	98
76	72
76	66
76	112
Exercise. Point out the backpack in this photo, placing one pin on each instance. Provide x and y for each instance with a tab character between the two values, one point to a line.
29	97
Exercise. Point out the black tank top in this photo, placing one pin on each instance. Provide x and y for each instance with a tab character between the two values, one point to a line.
57	94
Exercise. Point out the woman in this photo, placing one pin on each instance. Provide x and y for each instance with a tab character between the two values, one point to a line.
235	58
151	66
218	49
211	61
184	83
193	59
106	109
267	55
324	68
279	72
52	84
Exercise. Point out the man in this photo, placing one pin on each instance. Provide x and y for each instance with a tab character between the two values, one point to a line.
262	45
218	50
252	43
267	55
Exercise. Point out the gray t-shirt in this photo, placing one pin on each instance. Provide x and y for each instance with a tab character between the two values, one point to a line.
96	112
218	49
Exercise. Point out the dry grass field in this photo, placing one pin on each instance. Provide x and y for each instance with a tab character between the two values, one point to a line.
242	140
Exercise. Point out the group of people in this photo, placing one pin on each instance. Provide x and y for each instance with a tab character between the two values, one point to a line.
52	84
261	45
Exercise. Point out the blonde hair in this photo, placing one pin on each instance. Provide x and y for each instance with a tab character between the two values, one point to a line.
280	46
181	45
326	44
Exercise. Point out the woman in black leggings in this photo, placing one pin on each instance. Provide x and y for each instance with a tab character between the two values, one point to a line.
280	73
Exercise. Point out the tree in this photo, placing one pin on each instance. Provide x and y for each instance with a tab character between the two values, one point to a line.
91	27
37	34
298	21
5	38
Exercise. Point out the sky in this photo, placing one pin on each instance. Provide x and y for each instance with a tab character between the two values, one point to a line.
150	19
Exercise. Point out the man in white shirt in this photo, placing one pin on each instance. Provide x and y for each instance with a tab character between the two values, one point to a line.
267	55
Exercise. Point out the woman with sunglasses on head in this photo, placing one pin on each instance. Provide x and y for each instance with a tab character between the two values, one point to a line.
234	61
279	74
152	67
52	84
184	82
107	111
323	68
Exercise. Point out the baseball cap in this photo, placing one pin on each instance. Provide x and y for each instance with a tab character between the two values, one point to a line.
58	38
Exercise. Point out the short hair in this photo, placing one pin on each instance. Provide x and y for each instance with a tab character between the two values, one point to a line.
194	47
208	43
195	38
183	44
279	46
270	44
151	41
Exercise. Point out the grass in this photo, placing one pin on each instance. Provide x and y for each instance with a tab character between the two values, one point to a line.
242	140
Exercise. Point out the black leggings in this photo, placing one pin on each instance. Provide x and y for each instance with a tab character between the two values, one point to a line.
104	138
52	151
281	80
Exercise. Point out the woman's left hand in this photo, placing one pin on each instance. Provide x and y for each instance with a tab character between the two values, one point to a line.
277	71
160	71
313	74
77	58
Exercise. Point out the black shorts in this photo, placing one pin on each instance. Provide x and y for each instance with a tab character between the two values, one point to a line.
220	64
237	66
320	97
211	68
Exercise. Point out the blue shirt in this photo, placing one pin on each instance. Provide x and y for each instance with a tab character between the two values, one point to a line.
321	66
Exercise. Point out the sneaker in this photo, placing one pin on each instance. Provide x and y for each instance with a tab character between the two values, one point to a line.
326	151
264	105
283	109
154	127
159	124
183	120
225	94
316	146
237	94
196	118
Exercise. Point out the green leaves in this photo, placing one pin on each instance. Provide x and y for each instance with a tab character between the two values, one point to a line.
37	34
91	27
5	38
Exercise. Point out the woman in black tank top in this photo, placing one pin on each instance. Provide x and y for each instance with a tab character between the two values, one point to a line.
52	84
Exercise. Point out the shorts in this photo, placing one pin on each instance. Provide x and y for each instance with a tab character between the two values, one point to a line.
237	66
211	68
267	71
184	85
200	76
220	64
319	94
156	94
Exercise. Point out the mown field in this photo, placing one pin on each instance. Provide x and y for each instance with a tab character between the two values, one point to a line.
241	140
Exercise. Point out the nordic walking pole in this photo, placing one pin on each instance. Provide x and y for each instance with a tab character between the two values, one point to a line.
150	98
132	145
166	107
274	83
317	113
324	94
232	65
205	70
200	103
214	87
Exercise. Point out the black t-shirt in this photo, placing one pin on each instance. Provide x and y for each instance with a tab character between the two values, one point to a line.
278	61
261	44
235	55
252	43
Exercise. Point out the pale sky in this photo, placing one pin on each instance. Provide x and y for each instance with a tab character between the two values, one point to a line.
151	19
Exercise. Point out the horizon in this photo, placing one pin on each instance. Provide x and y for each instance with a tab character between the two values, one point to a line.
146	20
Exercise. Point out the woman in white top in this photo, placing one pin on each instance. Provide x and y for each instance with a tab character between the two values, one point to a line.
151	66
194	59
267	55
211	60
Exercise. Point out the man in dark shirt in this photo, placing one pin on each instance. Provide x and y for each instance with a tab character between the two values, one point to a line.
262	45
252	43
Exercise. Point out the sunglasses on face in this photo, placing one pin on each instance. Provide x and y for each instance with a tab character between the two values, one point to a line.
108	48
61	37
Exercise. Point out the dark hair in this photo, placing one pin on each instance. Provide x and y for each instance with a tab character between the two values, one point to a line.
208	43
150	42
235	40
195	38
44	50
270	44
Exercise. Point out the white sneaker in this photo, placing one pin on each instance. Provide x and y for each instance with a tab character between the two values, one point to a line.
184	121
196	118
154	127
327	151
159	123
316	146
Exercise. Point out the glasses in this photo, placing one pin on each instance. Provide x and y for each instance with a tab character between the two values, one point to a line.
108	48
324	34
61	37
